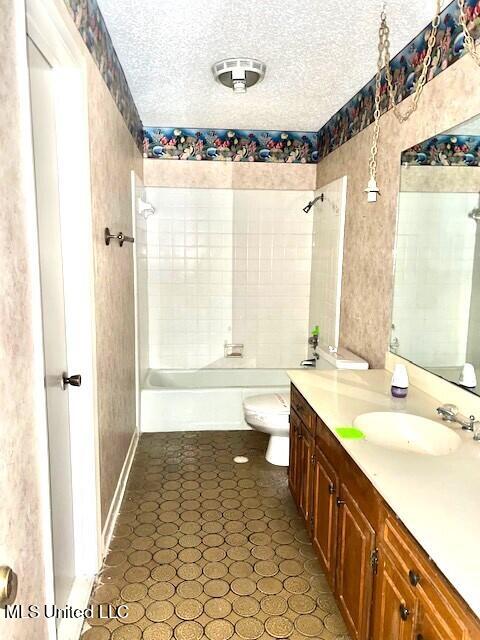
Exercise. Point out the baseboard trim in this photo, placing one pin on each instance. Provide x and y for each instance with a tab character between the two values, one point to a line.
118	495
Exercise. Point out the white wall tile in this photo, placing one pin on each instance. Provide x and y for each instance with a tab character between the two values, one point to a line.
228	266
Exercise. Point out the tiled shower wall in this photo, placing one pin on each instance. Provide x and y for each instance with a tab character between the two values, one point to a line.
272	240
228	266
190	256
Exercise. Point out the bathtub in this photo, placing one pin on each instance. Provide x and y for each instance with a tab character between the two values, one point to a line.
205	399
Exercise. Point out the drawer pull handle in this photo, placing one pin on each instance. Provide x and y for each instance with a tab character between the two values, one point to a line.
340	502
404	612
413	577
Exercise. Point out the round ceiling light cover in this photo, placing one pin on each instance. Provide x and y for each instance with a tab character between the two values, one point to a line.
239	73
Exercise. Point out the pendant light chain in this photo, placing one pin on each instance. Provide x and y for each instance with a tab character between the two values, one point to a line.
468	39
427	61
384	62
372	188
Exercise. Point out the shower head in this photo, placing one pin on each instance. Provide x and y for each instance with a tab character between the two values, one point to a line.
475	215
321	197
145	208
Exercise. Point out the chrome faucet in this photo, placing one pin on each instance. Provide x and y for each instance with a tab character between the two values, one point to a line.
449	413
310	362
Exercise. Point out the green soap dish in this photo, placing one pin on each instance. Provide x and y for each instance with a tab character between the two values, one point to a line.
350	433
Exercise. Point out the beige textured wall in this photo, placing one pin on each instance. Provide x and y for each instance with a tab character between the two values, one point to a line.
451	98
20	427
113	155
455	179
229	175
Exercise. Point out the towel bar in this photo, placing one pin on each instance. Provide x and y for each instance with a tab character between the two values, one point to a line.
121	237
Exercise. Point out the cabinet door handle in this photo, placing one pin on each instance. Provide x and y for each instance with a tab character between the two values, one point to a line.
340	502
419	637
404	612
331	489
414	578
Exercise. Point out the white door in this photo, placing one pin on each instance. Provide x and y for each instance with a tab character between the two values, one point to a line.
53	313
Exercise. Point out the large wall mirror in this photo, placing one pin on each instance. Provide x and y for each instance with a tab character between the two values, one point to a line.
436	309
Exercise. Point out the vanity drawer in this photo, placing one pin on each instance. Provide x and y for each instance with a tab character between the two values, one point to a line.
303	409
439	605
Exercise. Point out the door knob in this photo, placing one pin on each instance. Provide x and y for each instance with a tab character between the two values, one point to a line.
413	577
404	612
73	381
6	585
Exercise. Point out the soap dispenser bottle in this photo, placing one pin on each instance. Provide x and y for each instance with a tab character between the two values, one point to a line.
313	339
400	381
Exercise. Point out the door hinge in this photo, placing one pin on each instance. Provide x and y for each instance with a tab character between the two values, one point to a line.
374	561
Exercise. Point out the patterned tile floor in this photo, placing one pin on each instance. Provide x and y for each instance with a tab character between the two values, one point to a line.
205	548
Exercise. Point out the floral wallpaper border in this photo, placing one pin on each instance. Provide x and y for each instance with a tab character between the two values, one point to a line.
91	25
231	145
357	114
445	150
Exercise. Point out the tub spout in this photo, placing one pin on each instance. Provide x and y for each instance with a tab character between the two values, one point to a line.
309	363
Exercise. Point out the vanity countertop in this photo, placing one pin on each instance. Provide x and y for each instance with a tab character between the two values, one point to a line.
436	497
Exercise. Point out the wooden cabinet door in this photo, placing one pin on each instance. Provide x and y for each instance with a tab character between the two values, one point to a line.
293	469
429	628
354	577
306	462
432	625
325	513
395	604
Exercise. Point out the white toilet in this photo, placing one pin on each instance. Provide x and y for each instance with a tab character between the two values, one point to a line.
270	414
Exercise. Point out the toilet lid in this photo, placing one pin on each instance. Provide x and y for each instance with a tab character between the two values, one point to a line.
272	404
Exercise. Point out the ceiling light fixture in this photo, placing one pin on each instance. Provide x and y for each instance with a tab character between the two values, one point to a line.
239	73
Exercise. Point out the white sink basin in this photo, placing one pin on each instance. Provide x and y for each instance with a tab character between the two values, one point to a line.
407	432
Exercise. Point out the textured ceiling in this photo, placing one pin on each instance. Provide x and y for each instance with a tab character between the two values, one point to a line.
319	53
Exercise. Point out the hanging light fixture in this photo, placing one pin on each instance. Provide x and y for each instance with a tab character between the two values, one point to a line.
239	73
383	62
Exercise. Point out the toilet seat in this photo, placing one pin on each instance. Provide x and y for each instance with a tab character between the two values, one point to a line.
268	412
